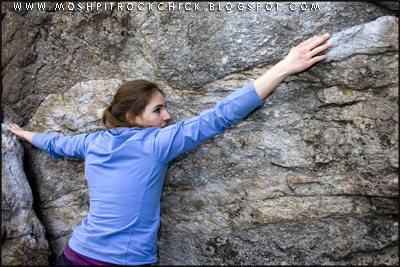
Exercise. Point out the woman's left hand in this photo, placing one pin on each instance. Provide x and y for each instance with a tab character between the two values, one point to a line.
20	133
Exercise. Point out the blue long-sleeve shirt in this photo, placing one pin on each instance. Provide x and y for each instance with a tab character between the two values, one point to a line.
125	170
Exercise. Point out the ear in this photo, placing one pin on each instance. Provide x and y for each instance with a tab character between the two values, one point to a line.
129	118
135	121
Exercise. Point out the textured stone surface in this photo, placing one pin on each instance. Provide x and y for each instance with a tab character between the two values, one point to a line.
311	177
23	239
377	36
393	5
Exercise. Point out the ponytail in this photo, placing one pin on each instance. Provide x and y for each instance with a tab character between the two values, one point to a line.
109	121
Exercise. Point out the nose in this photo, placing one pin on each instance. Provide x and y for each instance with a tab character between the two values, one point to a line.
167	117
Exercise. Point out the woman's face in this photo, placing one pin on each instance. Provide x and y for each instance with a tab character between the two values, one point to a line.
155	113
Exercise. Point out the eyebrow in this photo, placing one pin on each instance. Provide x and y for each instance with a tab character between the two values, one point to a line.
159	106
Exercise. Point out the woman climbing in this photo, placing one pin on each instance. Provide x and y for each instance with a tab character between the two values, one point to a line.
126	165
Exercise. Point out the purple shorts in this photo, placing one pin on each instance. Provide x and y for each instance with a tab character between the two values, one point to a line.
78	259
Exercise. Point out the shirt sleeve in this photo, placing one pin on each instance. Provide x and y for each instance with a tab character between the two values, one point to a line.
61	146
176	139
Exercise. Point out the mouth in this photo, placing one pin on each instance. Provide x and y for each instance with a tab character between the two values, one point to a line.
164	124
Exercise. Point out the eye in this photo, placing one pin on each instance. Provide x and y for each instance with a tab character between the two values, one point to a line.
157	110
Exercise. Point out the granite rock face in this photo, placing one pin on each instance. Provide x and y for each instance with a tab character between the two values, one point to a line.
23	240
310	177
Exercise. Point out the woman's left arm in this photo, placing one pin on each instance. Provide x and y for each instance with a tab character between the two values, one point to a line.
21	133
73	146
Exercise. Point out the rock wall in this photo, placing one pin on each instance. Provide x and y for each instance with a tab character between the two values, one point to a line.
23	240
311	177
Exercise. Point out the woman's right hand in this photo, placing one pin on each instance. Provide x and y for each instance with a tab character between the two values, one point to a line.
299	58
305	54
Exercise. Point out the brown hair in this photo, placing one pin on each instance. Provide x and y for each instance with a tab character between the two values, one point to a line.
131	98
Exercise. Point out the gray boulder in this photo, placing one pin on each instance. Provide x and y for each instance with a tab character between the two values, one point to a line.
23	240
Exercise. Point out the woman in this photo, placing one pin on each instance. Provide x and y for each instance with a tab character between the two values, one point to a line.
126	165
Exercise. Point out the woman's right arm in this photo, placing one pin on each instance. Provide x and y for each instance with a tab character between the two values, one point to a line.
299	58
176	139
